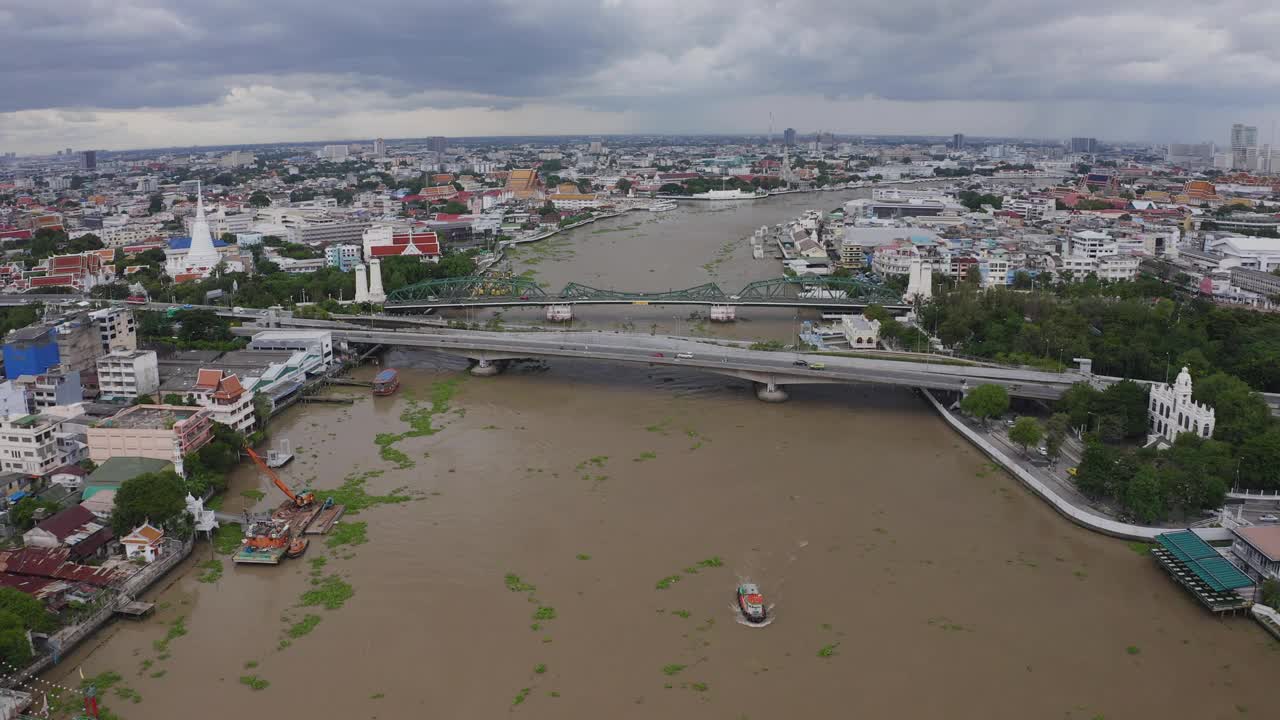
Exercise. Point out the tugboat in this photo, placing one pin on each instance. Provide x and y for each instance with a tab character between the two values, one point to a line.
751	603
297	547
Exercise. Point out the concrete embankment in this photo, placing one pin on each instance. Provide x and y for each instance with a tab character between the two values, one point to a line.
1077	515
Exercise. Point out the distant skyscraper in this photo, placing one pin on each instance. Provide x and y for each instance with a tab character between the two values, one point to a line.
89	159
1244	144
1084	145
437	143
789	137
957	141
379	147
68	152
335	152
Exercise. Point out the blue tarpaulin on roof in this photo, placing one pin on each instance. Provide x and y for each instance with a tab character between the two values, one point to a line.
17	496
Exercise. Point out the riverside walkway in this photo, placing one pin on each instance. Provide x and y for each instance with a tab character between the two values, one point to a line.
1065	507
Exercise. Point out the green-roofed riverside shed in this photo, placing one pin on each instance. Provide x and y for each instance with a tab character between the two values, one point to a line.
1203	571
111	474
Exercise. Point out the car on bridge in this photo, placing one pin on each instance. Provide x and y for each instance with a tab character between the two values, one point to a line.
817	366
659	355
684	356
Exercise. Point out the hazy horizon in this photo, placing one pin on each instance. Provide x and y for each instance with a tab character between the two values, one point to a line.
169	73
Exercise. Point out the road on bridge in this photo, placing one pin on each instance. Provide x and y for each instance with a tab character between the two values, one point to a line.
780	368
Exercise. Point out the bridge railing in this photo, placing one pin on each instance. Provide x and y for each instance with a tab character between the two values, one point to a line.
478	290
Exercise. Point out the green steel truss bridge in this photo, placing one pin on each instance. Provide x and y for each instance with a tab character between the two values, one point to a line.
481	291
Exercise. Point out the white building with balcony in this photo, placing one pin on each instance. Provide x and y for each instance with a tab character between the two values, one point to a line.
128	373
37	444
227	401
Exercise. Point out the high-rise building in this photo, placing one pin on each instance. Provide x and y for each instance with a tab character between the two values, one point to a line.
789	137
379	147
1244	143
1084	145
437	143
1189	155
957	141
335	152
68	151
89	160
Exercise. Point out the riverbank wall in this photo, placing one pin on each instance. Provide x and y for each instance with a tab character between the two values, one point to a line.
66	639
1079	516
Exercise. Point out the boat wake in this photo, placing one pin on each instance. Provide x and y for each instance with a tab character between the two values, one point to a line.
769	617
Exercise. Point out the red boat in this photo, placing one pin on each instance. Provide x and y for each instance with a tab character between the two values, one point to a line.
387	382
751	603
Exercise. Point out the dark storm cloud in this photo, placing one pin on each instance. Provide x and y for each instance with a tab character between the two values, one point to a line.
120	54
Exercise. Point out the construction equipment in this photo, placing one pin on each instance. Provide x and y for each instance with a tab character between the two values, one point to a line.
301	500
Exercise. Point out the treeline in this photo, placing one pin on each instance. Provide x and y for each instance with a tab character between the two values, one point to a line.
1129	329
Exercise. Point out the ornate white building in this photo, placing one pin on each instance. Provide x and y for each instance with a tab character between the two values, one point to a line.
201	256
1172	410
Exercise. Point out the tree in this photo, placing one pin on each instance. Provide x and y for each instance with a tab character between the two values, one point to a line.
1271	593
1026	431
1103	470
203	325
156	204
1055	434
110	291
453	207
624	186
15	647
1238	411
973	274
1259	459
1128	401
174	399
1022	280
1144	496
158	498
119	259
23	513
986	401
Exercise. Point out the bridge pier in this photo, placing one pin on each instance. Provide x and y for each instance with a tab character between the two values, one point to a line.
770	392
486	368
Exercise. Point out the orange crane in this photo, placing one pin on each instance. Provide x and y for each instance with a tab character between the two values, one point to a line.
302	500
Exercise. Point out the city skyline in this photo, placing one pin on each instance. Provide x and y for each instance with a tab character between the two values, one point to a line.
157	74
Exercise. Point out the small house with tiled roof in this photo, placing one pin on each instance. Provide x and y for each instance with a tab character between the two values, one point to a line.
143	542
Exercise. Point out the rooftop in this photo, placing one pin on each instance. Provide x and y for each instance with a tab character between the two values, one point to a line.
149	417
1265	538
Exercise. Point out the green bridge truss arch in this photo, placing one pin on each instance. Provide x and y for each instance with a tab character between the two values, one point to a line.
480	290
470	288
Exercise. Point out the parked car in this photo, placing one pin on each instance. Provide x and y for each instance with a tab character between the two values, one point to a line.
1010	422
1269	518
1073	471
1044	451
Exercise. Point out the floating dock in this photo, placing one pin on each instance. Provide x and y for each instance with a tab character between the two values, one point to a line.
249	556
136	610
324	521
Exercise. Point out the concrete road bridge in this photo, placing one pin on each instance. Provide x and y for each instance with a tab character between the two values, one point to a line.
485	291
771	371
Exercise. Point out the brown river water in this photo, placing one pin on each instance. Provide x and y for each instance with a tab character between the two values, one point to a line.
908	579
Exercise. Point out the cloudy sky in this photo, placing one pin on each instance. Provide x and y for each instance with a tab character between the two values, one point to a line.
118	74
